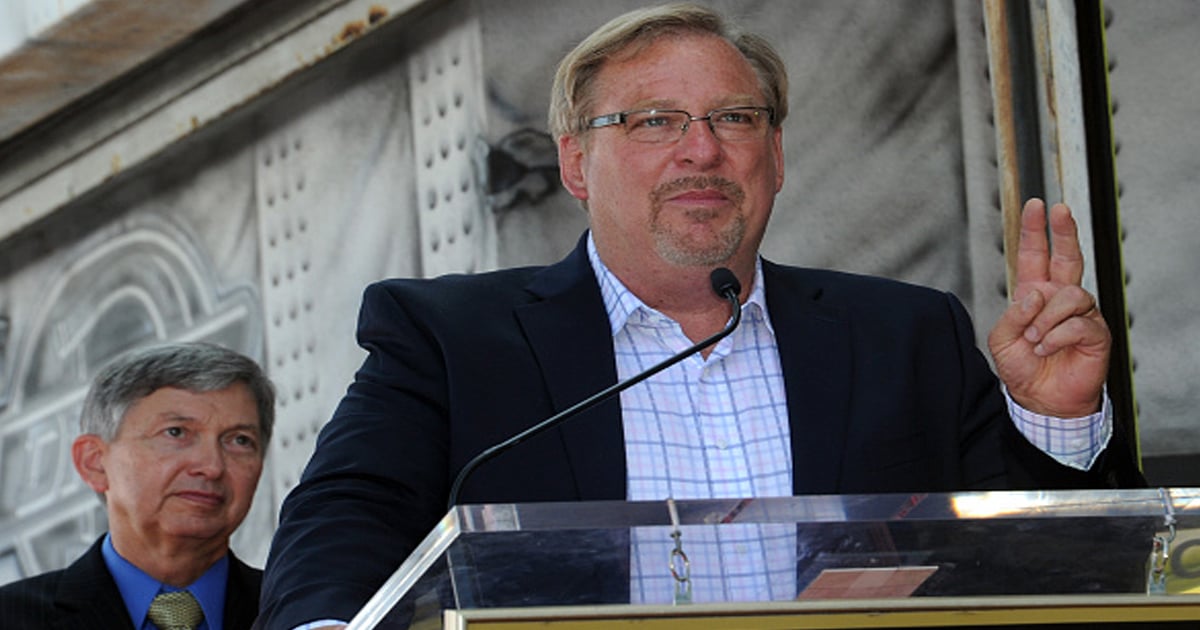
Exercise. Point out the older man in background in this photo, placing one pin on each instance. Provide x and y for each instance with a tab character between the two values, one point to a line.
173	439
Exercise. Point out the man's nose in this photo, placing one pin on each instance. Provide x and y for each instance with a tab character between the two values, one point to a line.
699	145
207	459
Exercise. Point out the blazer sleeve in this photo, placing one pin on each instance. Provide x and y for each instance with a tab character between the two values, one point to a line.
376	483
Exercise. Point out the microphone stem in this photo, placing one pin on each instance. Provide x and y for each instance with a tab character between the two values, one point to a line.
594	399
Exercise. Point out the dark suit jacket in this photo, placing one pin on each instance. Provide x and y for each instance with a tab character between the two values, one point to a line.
84	595
886	392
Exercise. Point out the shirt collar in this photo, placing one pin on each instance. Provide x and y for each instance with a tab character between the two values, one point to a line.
138	589
621	303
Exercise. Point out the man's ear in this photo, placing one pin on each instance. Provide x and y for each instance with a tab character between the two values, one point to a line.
777	149
570	166
87	452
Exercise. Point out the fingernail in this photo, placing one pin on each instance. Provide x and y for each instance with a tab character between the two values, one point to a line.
1027	303
1031	334
1039	350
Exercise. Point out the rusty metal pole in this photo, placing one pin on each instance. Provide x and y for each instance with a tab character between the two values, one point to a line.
1000	70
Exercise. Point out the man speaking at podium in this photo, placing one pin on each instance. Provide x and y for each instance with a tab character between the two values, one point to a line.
669	132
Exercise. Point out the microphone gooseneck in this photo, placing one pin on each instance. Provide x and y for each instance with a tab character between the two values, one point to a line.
724	284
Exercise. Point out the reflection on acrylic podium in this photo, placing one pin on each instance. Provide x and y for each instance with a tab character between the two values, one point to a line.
1062	559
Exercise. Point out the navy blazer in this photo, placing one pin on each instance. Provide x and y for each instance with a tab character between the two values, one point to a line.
886	392
85	595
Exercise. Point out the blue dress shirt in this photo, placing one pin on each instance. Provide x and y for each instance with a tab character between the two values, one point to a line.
139	589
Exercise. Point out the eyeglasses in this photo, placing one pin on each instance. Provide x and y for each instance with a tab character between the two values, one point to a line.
660	126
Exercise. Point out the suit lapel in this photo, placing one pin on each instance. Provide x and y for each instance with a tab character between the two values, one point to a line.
88	595
241	594
815	353
569	333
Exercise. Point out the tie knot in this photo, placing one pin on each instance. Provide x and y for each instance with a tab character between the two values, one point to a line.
175	611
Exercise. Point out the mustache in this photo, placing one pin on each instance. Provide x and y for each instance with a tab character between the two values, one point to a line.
698	182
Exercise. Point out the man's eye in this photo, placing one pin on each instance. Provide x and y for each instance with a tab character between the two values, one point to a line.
735	118
652	122
245	441
174	431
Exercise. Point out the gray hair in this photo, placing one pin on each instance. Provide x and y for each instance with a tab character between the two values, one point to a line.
572	98
195	367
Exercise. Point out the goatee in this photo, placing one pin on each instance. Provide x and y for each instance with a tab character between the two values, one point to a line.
677	248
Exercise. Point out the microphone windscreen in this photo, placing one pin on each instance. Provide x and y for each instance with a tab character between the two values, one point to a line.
723	281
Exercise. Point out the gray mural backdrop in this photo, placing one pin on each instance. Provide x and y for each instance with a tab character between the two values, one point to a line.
1155	83
424	151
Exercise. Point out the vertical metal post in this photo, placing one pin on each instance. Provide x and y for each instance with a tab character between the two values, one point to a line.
1018	138
996	23
1106	220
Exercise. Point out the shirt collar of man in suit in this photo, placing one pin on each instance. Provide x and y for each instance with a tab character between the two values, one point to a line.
620	302
138	589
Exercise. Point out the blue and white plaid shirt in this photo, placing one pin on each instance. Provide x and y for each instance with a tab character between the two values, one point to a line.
704	428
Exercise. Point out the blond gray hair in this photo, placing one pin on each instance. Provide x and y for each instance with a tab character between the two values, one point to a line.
572	96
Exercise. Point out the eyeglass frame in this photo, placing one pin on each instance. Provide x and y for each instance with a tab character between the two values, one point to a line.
619	118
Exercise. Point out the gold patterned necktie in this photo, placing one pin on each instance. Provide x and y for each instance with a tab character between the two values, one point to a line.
175	611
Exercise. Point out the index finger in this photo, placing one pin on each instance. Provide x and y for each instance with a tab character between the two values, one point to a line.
1033	248
1066	259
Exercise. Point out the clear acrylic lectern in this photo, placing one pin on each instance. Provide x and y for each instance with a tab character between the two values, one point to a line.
888	561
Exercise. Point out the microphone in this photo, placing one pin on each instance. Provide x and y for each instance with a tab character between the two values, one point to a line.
724	284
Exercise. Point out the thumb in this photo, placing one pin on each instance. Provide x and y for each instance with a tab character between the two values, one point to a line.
1015	320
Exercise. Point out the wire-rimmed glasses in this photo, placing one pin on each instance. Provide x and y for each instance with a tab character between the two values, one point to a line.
659	126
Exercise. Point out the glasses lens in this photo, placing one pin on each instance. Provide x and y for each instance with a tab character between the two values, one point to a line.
655	126
739	123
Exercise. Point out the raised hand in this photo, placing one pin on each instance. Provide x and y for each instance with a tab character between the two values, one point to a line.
1051	346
